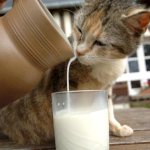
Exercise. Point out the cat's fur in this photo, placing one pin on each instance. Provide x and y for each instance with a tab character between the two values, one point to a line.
102	28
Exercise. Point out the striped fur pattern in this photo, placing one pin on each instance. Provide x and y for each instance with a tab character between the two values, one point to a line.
102	29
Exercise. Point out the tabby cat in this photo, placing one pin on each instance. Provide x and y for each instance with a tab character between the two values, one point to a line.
105	32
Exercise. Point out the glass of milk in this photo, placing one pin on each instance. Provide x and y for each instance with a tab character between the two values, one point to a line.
81	120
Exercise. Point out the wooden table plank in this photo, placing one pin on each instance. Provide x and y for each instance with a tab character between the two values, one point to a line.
139	137
138	119
131	147
9	145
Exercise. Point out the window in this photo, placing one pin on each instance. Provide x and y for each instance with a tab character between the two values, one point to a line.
147	56
147	64
133	66
147	50
133	55
136	84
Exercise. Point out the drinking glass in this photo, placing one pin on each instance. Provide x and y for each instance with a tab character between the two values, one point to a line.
81	120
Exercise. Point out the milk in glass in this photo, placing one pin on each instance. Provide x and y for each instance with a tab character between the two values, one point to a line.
81	131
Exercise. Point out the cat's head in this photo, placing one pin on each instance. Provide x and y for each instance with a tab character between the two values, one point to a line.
108	29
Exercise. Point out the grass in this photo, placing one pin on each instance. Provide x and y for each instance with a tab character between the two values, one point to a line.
140	104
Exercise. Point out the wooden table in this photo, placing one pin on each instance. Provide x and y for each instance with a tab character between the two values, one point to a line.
139	119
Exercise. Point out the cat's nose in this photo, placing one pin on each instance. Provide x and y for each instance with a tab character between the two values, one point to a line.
79	53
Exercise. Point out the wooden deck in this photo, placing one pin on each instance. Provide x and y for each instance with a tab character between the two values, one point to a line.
139	119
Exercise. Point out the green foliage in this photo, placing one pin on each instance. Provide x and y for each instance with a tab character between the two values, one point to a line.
140	104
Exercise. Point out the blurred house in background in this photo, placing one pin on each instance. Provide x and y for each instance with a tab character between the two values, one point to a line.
137	74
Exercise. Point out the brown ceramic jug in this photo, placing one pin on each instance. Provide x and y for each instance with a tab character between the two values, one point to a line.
30	44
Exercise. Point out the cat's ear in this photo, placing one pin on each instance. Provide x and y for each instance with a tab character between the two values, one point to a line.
137	23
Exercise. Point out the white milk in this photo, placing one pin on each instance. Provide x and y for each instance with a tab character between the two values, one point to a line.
68	70
82	131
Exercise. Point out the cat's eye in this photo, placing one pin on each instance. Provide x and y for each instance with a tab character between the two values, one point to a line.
99	43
